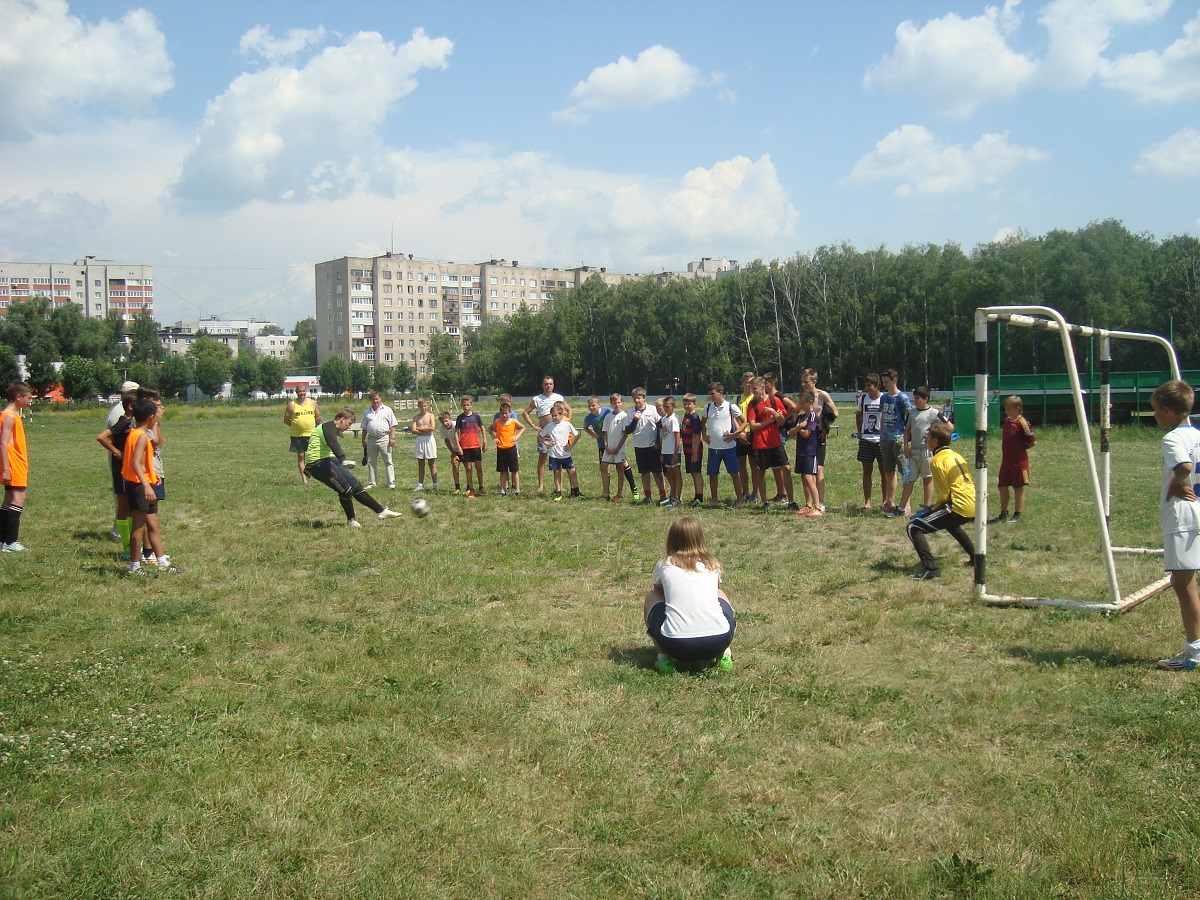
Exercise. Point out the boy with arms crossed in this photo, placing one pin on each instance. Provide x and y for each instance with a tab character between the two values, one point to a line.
506	431
425	445
614	448
807	431
643	423
468	429
541	405
668	438
558	436
1179	512
690	431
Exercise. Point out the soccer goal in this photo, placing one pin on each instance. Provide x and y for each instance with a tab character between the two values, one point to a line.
1044	318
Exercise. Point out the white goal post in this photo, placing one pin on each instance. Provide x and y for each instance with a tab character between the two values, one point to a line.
1046	319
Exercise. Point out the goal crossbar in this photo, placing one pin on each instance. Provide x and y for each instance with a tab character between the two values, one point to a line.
1100	479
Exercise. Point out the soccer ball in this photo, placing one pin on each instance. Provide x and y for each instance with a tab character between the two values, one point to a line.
421	508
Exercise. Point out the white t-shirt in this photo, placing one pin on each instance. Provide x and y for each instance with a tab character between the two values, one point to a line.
614	427
872	417
720	423
560	434
1181	445
668	432
378	423
544	403
693	609
646	433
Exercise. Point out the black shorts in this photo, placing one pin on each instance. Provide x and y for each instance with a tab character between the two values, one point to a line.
742	447
472	454
507	459
692	466
333	474
774	458
869	452
137	498
118	480
690	649
649	459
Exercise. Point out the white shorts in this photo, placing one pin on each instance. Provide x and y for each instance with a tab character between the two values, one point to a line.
425	447
922	465
613	458
1181	551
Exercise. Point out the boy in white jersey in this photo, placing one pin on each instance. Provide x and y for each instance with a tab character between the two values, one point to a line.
668	438
1179	512
614	444
558	436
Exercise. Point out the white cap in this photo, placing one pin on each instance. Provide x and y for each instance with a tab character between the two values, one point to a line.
127	386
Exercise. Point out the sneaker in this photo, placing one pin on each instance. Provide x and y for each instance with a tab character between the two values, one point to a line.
420	486
14	547
114	535
889	511
821	507
672	503
779	498
606	498
751	498
370	485
482	492
392	487
645	501
739	503
170	570
139	572
1184	662
766	504
815	513
1014	519
503	492
457	490
665	665
353	523
725	663
556	496
664	501
696	504
995	520
388	514
575	495
794	506
637	495
923	574
469	493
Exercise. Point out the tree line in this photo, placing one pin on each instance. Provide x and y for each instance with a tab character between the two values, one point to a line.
845	312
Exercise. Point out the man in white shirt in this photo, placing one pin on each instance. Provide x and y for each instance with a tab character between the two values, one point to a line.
541	406
378	438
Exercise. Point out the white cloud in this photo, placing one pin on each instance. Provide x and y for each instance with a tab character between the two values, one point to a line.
658	74
913	156
291	133
259	41
1164	77
1176	157
1004	235
49	226
1080	31
956	63
53	64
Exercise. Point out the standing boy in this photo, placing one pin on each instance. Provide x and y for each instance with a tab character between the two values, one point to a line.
113	440
14	466
827	410
378	439
137	469
1179	512
668	439
593	426
690	431
507	431
301	416
614	448
954	504
468	429
541	405
425	445
895	406
723	425
869	422
764	416
808	431
1016	437
644	427
450	439
558	436
919	419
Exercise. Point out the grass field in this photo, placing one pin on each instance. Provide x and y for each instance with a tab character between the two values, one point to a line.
466	706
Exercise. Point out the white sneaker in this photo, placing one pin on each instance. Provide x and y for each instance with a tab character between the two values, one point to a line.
388	514
354	523
14	547
419	487
370	484
114	535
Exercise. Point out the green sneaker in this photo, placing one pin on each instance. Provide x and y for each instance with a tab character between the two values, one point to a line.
637	495
725	663
665	665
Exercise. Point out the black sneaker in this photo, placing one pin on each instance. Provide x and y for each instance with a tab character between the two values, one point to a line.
996	520
923	574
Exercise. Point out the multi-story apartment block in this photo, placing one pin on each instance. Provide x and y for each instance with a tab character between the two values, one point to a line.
383	309
276	345
233	333
98	286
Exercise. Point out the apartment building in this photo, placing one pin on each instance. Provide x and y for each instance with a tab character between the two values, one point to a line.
98	286
384	308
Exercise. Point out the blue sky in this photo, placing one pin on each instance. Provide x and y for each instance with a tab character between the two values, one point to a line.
234	145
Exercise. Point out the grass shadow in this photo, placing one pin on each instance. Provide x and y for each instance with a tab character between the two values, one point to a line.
317	524
1059	658
640	657
91	536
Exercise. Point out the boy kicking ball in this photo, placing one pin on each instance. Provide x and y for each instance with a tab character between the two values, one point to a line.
1179	512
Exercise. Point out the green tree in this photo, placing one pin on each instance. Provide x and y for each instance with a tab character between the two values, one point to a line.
245	374
304	351
269	330
402	376
79	377
174	376
144	343
383	378
360	376
335	375
271	374
446	369
8	365
108	379
39	361
140	372
211	374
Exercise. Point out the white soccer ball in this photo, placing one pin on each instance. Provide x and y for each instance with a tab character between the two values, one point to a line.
421	507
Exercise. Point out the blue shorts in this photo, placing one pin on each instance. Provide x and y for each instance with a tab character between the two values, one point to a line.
670	460
729	457
299	444
691	465
691	649
806	465
565	463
